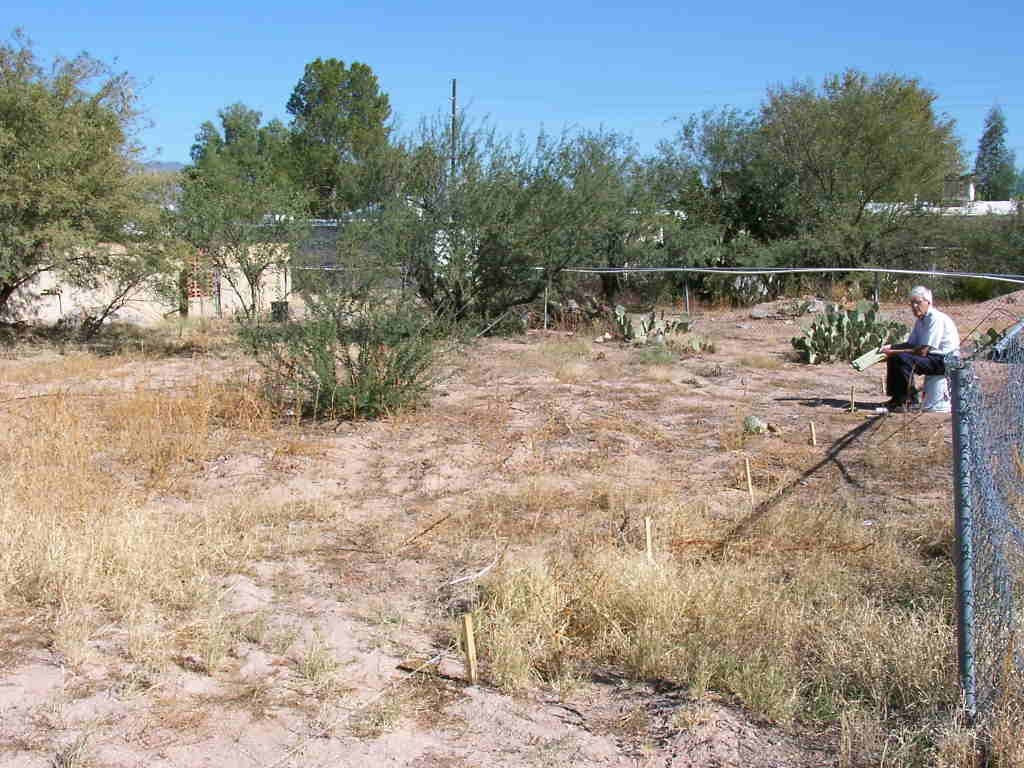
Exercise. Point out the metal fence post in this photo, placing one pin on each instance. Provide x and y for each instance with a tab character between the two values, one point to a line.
960	372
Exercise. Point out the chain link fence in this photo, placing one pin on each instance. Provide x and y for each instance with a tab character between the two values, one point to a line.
988	425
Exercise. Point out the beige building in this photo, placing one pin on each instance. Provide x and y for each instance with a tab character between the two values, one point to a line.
206	292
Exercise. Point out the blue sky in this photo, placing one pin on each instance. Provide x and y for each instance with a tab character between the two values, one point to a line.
528	65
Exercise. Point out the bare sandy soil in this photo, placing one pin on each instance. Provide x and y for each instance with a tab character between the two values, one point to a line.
370	574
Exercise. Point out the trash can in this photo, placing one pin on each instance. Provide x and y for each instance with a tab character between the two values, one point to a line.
279	311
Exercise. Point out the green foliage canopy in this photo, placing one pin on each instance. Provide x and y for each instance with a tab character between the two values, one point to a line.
487	239
792	182
145	261
859	139
65	161
238	203
994	166
339	132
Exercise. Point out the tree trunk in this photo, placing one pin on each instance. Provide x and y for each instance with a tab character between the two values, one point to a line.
6	291
609	286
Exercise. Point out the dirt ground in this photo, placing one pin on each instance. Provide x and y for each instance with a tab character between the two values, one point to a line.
366	579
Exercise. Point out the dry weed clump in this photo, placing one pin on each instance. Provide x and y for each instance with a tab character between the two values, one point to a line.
82	545
763	362
788	612
1005	733
553	355
788	643
160	434
570	360
530	511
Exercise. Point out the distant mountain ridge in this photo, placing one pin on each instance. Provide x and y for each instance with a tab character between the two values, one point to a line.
163	167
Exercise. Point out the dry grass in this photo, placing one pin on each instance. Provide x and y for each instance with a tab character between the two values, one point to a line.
535	509
763	362
381	717
422	698
66	358
804	615
66	368
83	544
832	608
1005	733
557	355
74	755
317	665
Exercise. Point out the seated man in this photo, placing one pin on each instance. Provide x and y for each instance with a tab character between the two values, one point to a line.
934	336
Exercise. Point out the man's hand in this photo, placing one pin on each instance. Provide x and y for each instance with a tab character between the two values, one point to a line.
921	351
887	350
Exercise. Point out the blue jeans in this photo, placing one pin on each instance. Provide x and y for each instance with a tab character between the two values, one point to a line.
901	367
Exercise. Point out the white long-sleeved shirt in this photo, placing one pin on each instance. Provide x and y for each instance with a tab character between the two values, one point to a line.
937	331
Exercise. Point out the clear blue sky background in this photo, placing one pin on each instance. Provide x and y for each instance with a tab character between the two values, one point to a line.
628	68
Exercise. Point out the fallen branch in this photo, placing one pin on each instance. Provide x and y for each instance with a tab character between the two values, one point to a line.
424	532
481	573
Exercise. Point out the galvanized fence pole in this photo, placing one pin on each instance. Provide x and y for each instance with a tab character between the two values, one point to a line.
960	374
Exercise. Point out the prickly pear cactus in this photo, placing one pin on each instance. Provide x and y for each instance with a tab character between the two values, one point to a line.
651	326
624	322
846	334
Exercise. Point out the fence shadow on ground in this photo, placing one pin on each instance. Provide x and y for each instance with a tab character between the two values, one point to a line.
837	403
831	457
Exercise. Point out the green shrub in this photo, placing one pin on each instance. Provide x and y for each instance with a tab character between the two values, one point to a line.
655	354
846	334
980	289
346	362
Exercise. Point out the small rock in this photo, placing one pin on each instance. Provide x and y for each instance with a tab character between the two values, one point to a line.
759	313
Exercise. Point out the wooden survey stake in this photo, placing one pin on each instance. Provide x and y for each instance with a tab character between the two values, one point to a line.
470	640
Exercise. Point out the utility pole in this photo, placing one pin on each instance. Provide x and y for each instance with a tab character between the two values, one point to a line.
454	131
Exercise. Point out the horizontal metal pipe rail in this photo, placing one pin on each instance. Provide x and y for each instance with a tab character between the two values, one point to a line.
1017	279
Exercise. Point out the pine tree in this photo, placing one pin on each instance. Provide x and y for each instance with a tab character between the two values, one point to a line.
994	167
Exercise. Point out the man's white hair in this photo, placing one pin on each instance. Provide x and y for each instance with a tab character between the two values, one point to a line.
921	292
